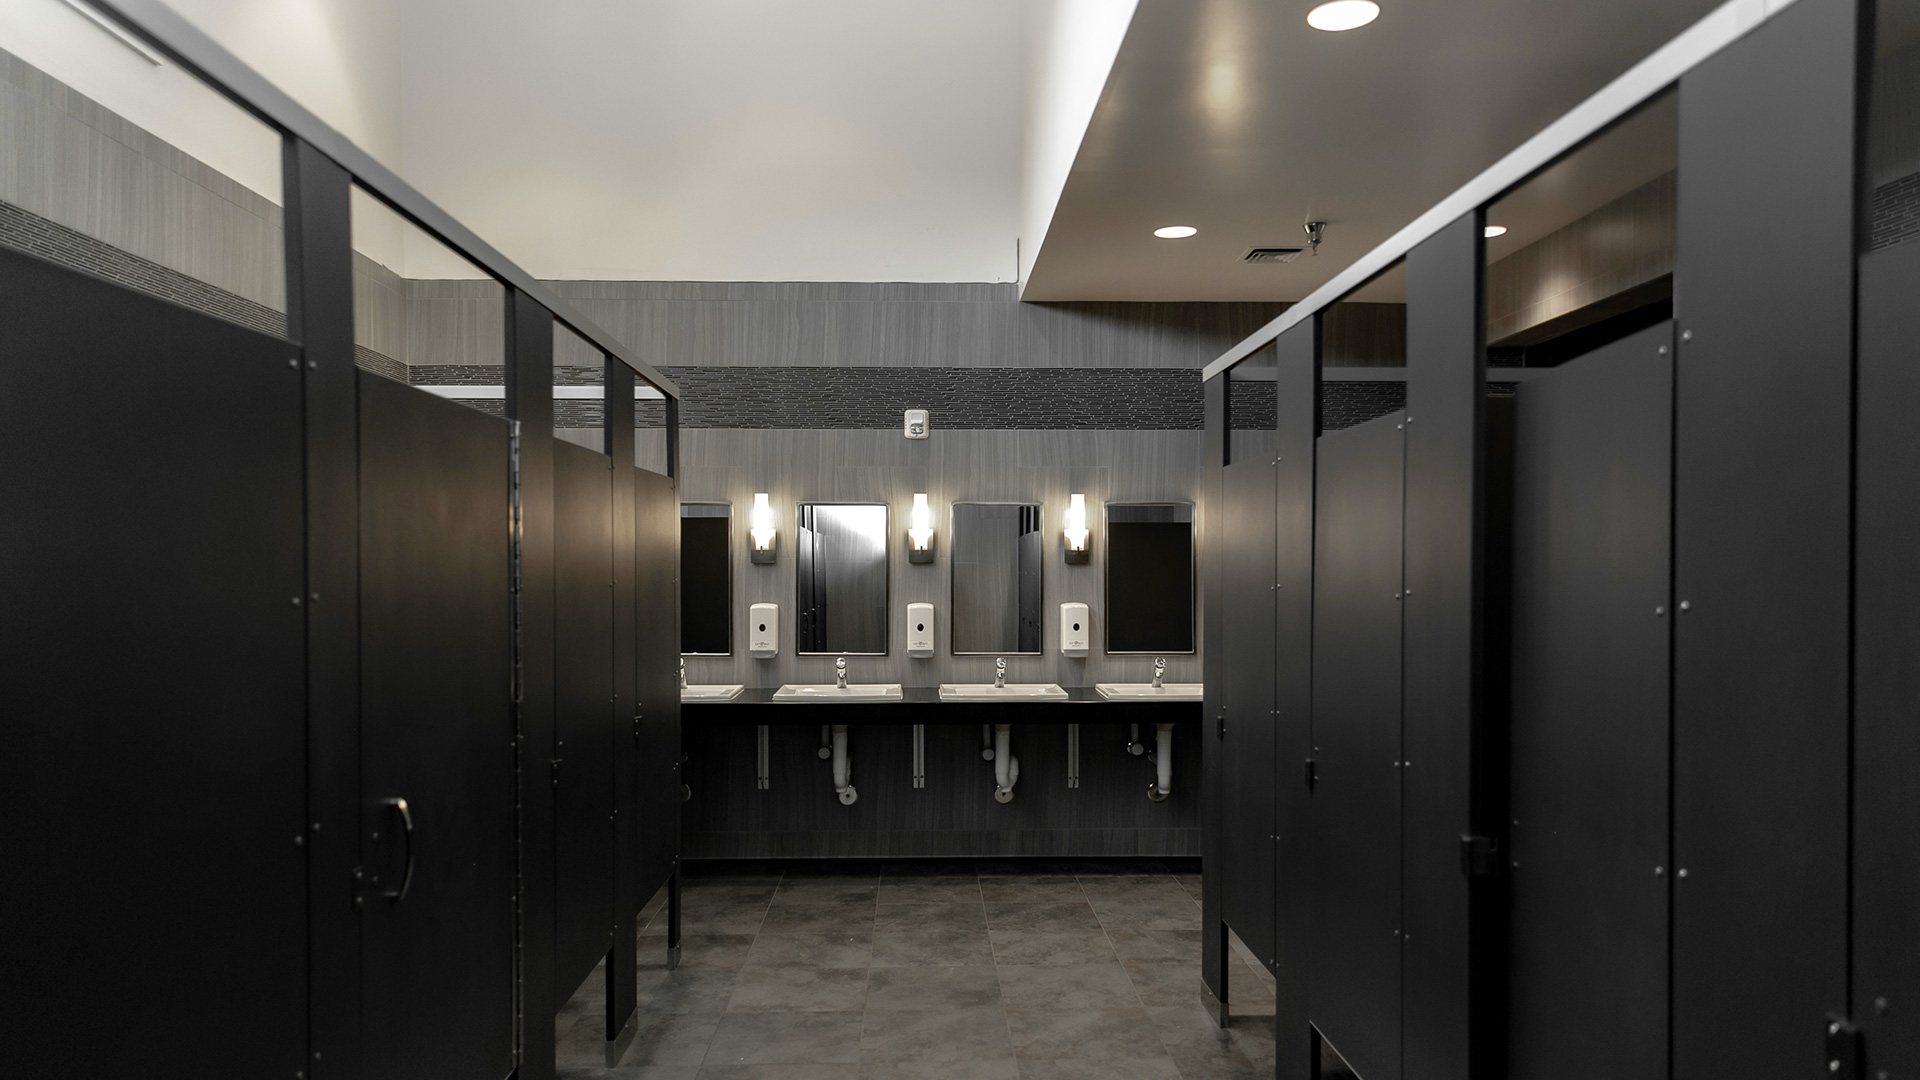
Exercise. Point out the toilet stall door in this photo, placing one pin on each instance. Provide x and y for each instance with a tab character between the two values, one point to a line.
1354	952
153	781
1246	735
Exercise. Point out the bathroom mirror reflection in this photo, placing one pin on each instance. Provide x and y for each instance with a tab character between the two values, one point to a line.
842	570
706	579
1150	578
996	578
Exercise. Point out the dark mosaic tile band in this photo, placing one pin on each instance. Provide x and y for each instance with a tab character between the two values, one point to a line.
50	240
1893	212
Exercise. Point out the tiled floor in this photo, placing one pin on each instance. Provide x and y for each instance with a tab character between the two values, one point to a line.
968	972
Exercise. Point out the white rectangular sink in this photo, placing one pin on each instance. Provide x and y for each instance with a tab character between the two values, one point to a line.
852	692
1139	691
721	692
1009	692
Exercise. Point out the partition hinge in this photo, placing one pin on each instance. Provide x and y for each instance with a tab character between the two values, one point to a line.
1846	1053
1313	773
1479	855
1221	729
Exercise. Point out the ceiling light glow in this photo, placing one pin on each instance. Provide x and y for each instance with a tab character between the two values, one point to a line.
1495	230
1174	232
1343	15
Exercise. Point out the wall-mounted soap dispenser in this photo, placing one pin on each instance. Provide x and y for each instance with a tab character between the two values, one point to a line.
920	630
763	631
1075	629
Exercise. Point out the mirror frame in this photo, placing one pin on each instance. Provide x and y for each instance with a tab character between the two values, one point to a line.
953	547
728	516
1193	580
886	564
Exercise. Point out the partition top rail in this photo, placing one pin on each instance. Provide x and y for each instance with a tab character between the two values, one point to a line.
183	43
1639	84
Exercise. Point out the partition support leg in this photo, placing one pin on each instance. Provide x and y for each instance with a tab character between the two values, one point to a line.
1214	998
673	921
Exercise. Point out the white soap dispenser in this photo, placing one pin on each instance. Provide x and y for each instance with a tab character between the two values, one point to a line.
920	630
763	631
1075	629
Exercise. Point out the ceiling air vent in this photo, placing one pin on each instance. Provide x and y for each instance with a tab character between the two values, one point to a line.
1272	255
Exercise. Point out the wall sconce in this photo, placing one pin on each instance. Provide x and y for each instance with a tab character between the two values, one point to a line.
765	540
1076	532
920	531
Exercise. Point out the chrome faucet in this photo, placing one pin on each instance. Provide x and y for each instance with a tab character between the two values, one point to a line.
683	673
1000	673
840	672
1159	670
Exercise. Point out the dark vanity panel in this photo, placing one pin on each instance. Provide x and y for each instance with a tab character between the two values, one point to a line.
1589	728
706	578
1762	550
583	718
1150	578
154	783
436	729
1354	903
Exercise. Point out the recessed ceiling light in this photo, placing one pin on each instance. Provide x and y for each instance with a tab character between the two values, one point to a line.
1343	15
1174	232
1495	230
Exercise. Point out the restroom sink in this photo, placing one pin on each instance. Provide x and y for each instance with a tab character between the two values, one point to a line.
1009	692
1140	691
852	692
722	692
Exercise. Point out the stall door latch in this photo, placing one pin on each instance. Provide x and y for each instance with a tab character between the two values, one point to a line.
1479	855
1313	773
1845	1054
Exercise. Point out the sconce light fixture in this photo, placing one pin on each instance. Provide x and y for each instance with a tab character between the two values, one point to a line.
1076	532
765	540
920	530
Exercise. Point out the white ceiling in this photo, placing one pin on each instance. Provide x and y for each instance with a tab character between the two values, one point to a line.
1236	117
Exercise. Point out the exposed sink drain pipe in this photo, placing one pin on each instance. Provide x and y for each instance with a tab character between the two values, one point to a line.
1006	767
842	767
1162	762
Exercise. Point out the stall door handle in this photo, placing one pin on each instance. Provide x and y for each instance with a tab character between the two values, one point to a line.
406	825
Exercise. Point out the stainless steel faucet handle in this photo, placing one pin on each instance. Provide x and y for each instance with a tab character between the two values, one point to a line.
841	663
1160	661
1000	663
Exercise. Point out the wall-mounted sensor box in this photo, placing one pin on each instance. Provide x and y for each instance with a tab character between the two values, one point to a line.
1075	629
917	426
920	630
763	631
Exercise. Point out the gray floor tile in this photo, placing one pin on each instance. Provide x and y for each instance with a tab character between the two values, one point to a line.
650	1072
786	1038
822	950
800	989
929	916
1149	914
717	951
1153	1068
1050	889
1152	887
977	1069
716	893
1133	943
718	917
929	890
1166	982
961	1034
1037	916
1069	986
687	990
894	988
788	1071
1083	1034
671	1040
814	918
932	947
1051	947
817	891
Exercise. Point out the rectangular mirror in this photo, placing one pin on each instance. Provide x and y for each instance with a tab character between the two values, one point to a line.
842	569
996	578
1150	578
706	579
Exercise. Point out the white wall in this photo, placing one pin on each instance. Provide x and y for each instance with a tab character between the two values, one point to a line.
1069	48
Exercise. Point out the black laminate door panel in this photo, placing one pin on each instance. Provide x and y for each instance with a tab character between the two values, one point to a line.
1886	871
583	712
1588	766
1762	546
1247	745
153	786
656	558
1354	894
437	731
